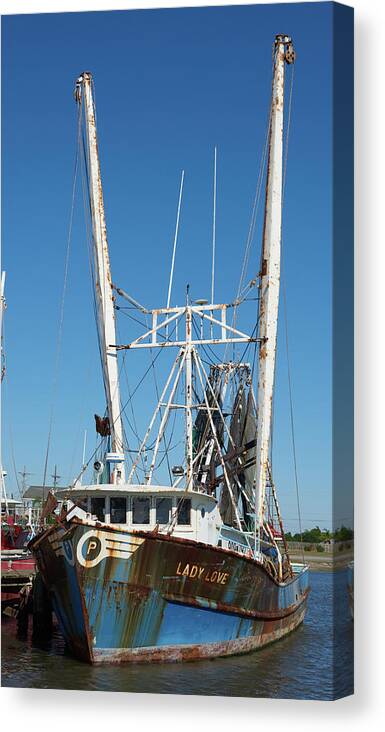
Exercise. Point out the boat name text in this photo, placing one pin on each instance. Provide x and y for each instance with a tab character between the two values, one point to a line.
195	571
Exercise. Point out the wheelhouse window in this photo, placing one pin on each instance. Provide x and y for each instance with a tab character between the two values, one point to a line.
82	503
118	507
98	508
184	512
163	510
140	510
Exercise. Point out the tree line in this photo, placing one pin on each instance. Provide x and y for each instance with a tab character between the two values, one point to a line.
317	536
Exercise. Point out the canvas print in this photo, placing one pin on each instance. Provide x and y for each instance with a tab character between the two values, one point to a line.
176	303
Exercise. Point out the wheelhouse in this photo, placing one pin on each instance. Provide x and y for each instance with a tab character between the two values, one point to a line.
192	515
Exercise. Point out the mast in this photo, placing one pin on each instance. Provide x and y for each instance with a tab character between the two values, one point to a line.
188	386
270	274
103	281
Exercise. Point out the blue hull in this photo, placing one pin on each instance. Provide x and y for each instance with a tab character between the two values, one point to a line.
136	596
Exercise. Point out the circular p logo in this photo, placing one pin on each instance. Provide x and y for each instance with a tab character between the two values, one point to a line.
90	549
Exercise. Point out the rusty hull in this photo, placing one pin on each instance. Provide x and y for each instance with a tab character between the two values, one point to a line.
122	595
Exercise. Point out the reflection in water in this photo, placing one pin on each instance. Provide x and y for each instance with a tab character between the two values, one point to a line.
299	666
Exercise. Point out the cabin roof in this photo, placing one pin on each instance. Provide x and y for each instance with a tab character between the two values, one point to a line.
38	491
130	489
11	502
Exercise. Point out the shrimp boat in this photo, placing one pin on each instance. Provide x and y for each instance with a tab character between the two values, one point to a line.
140	568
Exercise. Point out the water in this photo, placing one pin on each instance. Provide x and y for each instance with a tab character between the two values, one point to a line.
300	666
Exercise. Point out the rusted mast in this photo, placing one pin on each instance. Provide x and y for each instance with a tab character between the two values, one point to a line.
270	277
103	282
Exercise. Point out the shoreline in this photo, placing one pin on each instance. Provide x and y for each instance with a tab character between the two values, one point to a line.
321	563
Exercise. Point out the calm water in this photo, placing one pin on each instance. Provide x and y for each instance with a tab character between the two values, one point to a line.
299	666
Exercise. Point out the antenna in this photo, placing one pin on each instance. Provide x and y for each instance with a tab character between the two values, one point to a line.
24	476
84	456
214	224
175	239
55	477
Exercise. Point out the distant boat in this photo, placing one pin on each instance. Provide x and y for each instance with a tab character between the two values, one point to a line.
143	570
17	563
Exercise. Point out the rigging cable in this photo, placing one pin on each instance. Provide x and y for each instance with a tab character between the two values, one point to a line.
167	447
141	380
87	209
82	148
242	290
90	236
61	317
152	362
175	240
286	323
82	151
134	428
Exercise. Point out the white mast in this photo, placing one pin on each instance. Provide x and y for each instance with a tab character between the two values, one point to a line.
189	420
214	225
270	273
103	282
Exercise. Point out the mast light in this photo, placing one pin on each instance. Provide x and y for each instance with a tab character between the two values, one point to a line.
177	470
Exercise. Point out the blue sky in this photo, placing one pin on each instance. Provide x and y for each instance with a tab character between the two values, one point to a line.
170	84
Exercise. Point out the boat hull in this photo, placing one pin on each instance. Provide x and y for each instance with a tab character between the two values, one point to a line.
262	635
139	596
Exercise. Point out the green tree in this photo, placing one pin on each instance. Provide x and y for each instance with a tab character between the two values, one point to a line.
343	534
313	536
